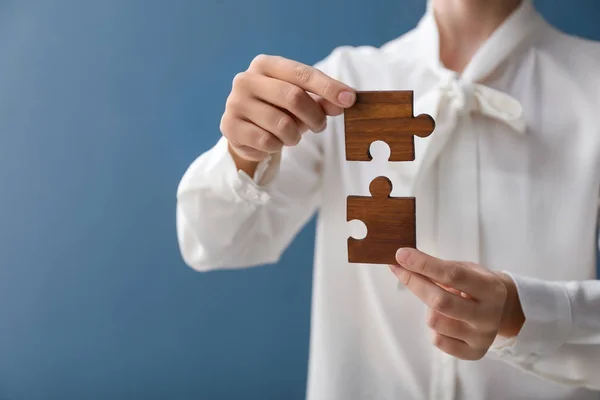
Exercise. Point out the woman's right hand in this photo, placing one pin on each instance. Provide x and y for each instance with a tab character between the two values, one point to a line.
274	102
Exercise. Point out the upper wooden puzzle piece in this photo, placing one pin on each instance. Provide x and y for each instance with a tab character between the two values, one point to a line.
386	116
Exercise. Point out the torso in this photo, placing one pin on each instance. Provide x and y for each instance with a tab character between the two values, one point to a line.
538	209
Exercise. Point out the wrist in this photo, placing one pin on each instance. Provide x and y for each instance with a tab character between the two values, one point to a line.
241	163
513	317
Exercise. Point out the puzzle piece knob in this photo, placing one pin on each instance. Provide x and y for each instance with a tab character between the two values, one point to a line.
380	187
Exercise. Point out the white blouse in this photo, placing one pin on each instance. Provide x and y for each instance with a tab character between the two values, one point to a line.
510	179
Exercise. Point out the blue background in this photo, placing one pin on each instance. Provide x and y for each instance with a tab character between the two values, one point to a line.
103	105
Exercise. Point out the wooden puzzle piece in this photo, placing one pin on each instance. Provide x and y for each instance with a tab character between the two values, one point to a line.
390	223
386	116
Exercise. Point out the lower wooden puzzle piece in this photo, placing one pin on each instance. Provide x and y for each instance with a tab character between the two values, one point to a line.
390	222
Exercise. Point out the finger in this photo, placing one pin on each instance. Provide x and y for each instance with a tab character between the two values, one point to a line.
289	97
242	134
328	107
302	128
449	289
269	118
458	330
306	77
456	348
435	297
449	273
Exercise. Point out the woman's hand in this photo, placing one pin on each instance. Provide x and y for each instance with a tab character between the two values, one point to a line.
468	304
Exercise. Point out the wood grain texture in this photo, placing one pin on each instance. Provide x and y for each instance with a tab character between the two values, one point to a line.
386	116
390	223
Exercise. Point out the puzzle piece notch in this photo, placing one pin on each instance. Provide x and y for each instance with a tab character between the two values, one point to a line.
385	116
390	223
380	152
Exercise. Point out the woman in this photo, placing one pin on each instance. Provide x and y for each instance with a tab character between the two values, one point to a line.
507	189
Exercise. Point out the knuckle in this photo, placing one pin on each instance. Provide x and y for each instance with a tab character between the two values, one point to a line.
438	340
303	73
239	79
406	277
267	142
422	263
294	97
441	303
328	89
224	124
455	273
259	61
433	321
234	102
286	124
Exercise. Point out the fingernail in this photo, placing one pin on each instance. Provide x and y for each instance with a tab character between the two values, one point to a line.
346	98
402	255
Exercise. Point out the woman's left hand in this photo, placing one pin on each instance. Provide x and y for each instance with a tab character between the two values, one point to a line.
468	304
